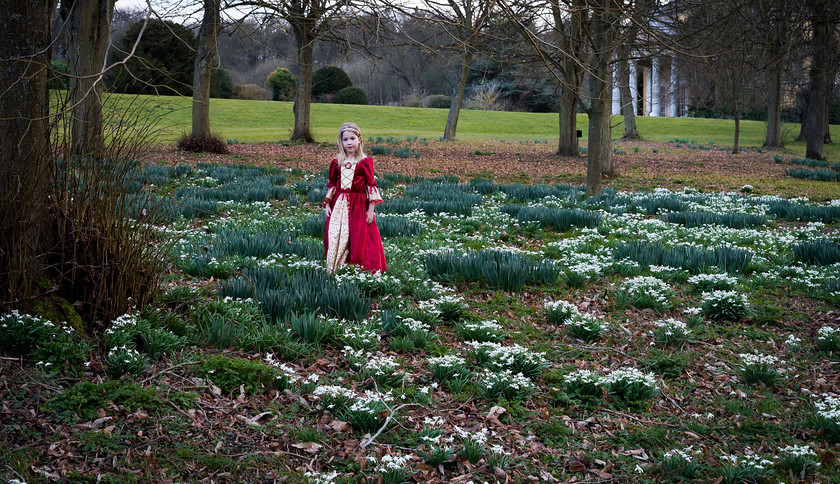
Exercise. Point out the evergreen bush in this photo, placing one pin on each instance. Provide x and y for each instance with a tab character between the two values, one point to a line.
351	95
282	84
328	80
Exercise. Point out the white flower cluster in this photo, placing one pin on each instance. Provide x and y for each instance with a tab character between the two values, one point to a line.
724	298
587	321
447	361
758	359
360	334
712	280
582	376
564	307
124	322
748	461
588	269
687	454
828	333
478	437
793	342
128	355
381	365
321	478
390	462
14	317
413	325
829	407
333	391
629	376
490	326
434	422
647	286
505	379
286	370
672	326
355	357
504	356
798	451
430	306
447	299
370	402
665	269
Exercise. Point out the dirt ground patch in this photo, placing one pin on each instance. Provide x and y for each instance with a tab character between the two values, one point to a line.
638	165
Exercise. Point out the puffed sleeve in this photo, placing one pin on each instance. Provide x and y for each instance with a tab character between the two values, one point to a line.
373	194
332	181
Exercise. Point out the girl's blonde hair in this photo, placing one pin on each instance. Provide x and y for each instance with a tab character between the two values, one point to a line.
353	128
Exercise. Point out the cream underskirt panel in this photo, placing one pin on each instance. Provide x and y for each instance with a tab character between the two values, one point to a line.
339	234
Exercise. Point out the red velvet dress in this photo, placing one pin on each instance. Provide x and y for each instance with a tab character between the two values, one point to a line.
349	239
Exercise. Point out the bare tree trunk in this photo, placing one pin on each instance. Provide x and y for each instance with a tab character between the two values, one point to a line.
88	24
568	145
25	173
599	154
735	144
457	99
814	118
630	130
303	95
806	100
774	105
205	61
828	95
599	149
600	131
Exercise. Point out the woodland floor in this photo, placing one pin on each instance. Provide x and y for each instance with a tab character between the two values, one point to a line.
276	436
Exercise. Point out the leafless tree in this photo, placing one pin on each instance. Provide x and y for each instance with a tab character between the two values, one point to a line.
205	62
86	25
309	20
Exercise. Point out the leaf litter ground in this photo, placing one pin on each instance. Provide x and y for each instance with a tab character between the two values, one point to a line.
276	436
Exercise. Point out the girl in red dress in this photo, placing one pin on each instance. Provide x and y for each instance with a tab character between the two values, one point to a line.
352	236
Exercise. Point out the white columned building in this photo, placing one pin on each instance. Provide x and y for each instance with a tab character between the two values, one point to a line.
655	87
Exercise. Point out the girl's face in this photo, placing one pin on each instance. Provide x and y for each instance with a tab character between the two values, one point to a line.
350	142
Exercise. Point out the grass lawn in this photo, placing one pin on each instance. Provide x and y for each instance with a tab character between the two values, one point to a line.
261	121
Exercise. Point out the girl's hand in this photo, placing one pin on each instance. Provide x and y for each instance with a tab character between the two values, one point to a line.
327	210
370	217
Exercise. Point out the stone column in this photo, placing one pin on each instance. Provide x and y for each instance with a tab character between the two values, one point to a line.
634	91
616	93
655	87
675	107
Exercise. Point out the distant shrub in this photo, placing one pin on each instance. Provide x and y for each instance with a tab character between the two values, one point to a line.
282	84
351	95
251	92
414	99
486	97
438	101
328	80
196	144
58	79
